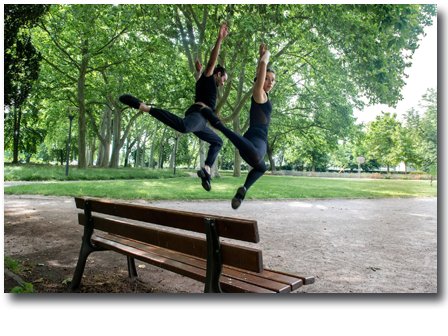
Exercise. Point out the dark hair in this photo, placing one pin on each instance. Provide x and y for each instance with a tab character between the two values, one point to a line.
267	70
220	69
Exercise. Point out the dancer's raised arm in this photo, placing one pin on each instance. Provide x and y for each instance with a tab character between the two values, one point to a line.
198	66
215	52
259	87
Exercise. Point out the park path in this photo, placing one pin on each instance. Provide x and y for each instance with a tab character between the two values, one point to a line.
386	245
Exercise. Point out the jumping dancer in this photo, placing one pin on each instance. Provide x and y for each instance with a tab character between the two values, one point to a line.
253	144
194	122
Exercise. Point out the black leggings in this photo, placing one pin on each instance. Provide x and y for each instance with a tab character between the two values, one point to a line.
194	123
252	147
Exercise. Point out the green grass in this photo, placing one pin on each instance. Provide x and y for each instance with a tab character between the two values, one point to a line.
224	188
13	265
25	172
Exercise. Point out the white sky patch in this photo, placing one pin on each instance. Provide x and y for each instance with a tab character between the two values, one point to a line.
422	75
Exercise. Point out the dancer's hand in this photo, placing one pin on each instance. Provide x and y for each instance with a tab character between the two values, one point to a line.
262	49
198	66
223	31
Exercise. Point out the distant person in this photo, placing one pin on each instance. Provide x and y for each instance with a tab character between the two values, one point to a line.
194	122
253	144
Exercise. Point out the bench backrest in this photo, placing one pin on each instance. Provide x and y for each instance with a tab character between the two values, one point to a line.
232	228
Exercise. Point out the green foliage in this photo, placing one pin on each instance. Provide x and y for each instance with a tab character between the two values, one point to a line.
381	139
24	288
423	131
326	57
20	56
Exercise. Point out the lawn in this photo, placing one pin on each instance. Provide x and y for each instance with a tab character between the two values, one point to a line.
267	187
27	172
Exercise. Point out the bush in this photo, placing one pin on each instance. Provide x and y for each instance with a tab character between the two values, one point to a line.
25	288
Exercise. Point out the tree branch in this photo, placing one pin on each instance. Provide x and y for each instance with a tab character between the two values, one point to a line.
55	67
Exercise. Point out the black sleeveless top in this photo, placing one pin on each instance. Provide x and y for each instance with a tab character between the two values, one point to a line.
260	116
206	91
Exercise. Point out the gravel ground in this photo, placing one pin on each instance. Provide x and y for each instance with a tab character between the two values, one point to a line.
350	245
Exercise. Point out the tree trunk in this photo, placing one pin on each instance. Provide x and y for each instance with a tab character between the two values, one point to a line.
387	169
173	153
17	121
160	164
106	133
202	153
192	153
195	159
236	152
117	141
151	154
271	159
82	107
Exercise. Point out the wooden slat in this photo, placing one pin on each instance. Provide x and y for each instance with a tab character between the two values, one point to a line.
237	256
176	267
295	279
307	279
233	228
231	273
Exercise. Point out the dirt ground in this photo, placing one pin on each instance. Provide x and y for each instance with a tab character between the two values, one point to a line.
350	245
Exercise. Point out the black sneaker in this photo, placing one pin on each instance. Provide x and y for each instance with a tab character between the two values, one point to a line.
209	115
130	100
239	197
202	173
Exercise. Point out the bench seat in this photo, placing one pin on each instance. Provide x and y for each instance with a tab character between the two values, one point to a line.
222	266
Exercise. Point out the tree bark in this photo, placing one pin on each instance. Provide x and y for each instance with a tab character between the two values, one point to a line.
17	121
160	165
82	106
117	141
202	153
271	159
151	154
192	153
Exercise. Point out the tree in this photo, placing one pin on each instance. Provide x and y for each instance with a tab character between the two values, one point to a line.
326	58
381	139
22	64
423	131
79	40
21	59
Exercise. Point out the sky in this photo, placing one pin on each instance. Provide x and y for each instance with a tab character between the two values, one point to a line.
422	75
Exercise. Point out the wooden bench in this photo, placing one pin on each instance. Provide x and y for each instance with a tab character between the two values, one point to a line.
222	266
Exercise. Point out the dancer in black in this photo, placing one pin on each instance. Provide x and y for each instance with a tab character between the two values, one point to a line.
253	144
194	122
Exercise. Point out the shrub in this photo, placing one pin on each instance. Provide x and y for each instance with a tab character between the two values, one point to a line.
24	288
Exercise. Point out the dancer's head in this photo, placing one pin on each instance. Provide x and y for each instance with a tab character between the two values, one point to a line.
269	80
220	75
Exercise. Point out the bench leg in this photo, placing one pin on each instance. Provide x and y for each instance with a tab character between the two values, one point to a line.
214	258
132	271
87	247
83	254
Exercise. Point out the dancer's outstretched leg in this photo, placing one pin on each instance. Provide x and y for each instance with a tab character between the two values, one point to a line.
191	123
215	142
252	147
251	178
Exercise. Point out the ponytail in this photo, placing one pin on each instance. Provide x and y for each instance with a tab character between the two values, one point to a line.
220	69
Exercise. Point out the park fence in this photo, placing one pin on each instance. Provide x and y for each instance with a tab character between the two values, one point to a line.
355	175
